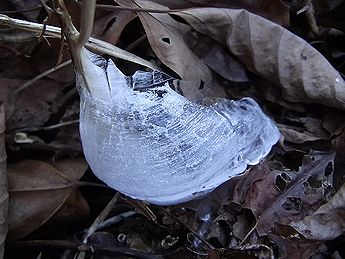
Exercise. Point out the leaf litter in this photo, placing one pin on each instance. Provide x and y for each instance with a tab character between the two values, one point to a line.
287	206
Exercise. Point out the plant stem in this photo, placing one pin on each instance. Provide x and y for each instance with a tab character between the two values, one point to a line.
86	25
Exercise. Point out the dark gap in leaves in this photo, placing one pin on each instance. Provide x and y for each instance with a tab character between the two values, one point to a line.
202	83
329	169
166	40
133	31
291	160
286	177
314	183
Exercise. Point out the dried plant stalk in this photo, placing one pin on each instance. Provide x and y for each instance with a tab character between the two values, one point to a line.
3	180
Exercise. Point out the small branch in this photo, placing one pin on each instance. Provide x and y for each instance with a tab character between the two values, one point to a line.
116	219
38	77
211	247
51	127
3	177
101	217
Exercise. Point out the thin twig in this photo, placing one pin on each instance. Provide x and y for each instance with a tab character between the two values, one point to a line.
89	248
51	127
248	234
211	247
116	219
43	74
101	217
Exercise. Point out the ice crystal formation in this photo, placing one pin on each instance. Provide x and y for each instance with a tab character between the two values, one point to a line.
149	142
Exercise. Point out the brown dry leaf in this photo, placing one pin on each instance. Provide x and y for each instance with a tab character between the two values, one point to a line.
3	177
38	190
295	248
16	42
166	37
219	59
110	27
274	10
21	5
42	63
327	222
33	104
310	129
272	52
281	196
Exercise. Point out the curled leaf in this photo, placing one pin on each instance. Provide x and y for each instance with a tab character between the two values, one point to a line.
272	52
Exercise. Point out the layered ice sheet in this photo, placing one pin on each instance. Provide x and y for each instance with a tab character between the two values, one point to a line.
147	141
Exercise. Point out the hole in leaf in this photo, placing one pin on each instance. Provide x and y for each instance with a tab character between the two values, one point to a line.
313	158
178	18
314	182
109	24
202	83
292	204
280	183
166	40
286	177
329	169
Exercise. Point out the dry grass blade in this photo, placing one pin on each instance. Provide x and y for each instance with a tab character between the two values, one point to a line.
3	179
93	44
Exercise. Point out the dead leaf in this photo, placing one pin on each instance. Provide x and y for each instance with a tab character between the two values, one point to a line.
38	190
295	248
17	42
25	5
219	59
110	27
33	104
166	37
303	129
272	52
274	10
327	222
3	178
40	61
281	196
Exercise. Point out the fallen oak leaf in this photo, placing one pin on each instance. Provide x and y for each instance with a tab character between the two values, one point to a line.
327	222
272	52
282	196
37	191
